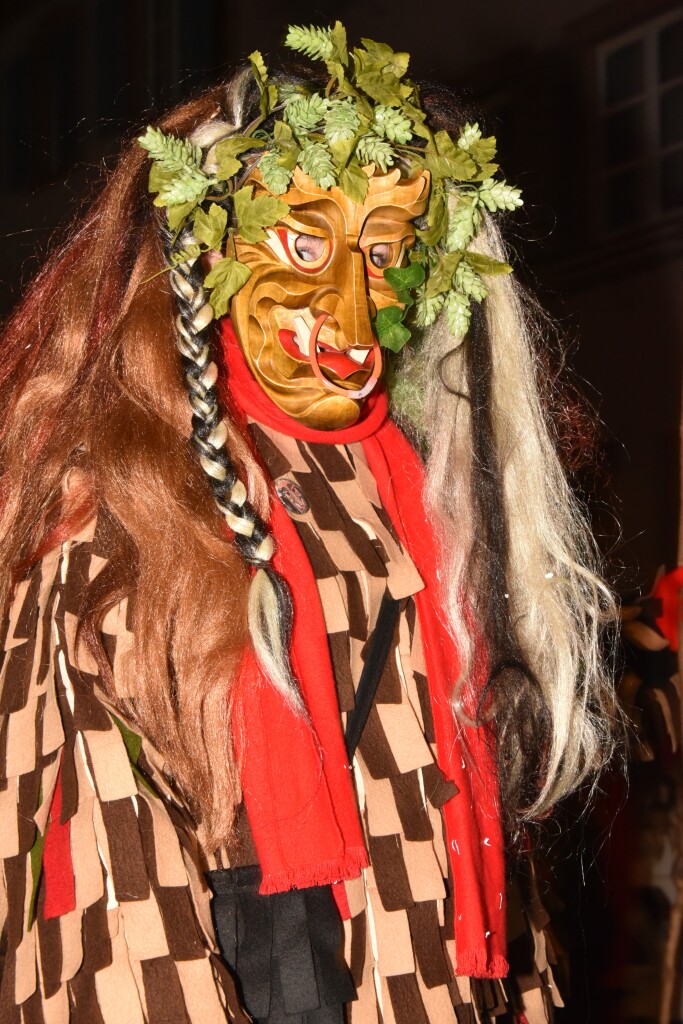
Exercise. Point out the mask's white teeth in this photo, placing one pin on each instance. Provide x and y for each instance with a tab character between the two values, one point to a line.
303	335
359	355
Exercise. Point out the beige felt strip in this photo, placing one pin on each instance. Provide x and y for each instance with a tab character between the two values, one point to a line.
56	1008
169	860
394	948
53	729
70	926
87	864
117	992
15	609
21	739
383	816
533	1004
337	547
332	600
199	989
26	978
144	928
9	832
438	839
355	895
405	736
111	769
289	449
96	566
424	873
437	1002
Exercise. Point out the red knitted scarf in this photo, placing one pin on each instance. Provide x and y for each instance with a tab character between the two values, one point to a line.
297	785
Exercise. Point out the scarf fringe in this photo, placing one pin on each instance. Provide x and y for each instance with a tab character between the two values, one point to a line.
473	963
326	873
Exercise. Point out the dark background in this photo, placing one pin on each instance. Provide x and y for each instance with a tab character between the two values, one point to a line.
586	99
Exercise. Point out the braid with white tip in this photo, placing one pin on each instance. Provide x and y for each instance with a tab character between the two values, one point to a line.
270	606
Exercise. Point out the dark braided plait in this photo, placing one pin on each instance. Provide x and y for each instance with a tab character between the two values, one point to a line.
270	606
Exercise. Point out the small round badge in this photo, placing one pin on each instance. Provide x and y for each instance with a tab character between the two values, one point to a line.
291	496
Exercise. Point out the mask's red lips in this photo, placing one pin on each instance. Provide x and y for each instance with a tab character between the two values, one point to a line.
341	365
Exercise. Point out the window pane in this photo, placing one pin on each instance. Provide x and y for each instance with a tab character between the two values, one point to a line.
623	135
624	73
624	198
671	115
671	52
672	180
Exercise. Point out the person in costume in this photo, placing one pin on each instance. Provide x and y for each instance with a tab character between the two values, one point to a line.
286	666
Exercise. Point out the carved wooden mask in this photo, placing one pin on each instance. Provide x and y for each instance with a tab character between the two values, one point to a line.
318	281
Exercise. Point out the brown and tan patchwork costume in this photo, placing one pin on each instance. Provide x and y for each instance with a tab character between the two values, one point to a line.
139	945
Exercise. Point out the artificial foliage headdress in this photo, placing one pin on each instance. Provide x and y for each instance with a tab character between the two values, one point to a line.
368	114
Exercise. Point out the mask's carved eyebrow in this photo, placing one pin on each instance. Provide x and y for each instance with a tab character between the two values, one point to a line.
313	218
387	224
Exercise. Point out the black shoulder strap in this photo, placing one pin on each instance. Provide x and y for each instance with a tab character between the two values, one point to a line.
376	659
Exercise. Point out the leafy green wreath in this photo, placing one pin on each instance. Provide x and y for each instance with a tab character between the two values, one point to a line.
369	113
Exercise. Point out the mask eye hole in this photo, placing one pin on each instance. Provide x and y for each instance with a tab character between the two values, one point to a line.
380	255
309	253
309	248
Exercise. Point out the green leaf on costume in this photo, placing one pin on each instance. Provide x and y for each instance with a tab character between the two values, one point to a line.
353	181
316	43
390	329
176	215
209	228
404	279
133	745
190	252
315	160
458	313
427	309
227	151
225	279
370	149
36	859
258	66
253	215
468	282
498	195
386	59
441	275
445	160
486	264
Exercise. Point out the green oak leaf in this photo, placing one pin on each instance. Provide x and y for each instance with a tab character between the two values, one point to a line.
390	329
225	279
486	264
210	227
253	215
441	275
446	160
227	151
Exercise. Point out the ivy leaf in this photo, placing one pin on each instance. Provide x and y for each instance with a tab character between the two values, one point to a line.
315	160
437	219
253	215
390	329
353	181
468	282
463	224
404	279
458	313
370	149
486	264
441	275
313	42
426	309
227	151
210	227
445	160
225	279
498	195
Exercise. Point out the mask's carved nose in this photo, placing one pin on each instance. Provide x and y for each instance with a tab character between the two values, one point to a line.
348	304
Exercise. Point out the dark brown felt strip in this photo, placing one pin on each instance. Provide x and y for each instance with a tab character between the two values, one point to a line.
128	867
163	992
390	872
426	936
406	1000
414	818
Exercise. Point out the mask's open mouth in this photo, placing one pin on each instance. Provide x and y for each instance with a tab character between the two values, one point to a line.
297	345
